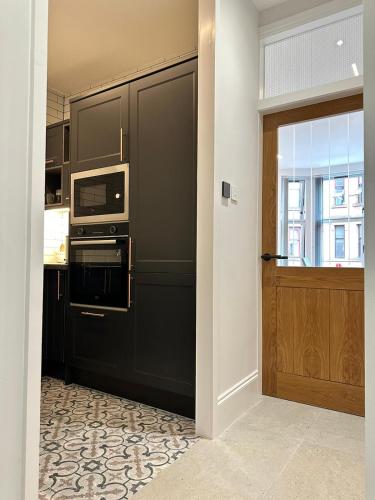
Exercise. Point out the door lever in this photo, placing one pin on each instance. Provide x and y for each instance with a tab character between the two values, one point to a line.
267	257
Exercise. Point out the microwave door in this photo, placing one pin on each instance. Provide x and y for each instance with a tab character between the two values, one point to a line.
100	195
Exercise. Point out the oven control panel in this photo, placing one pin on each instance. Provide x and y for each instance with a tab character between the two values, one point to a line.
99	230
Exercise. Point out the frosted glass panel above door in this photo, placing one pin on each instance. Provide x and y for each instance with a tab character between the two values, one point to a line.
330	53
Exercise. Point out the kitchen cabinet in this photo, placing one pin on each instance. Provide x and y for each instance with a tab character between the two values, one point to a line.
57	174
99	131
54	316
98	340
162	350
57	179
163	168
147	353
57	144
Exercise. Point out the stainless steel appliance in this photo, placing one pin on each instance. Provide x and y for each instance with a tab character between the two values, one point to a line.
100	195
100	267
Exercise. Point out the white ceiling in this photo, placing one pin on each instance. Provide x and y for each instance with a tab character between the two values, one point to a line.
322	143
91	41
266	4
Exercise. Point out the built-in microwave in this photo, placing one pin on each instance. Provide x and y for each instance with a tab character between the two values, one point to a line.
100	195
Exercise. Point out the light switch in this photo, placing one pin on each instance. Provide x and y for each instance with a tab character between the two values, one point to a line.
234	193
225	190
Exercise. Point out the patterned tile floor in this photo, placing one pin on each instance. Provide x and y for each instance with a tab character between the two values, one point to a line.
100	447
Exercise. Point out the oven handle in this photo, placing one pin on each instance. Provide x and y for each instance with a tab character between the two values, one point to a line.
94	315
93	242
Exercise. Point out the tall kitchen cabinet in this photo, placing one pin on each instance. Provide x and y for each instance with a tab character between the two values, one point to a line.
163	168
150	123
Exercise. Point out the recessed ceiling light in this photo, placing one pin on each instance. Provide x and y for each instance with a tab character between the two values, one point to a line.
355	69
279	157
340	43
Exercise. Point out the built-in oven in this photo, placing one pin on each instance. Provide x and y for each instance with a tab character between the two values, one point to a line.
100	195
100	272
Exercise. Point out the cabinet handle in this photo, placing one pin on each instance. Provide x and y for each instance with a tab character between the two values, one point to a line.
130	266
121	145
94	315
58	286
129	290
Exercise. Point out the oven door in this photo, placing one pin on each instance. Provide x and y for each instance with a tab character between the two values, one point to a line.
100	273
100	195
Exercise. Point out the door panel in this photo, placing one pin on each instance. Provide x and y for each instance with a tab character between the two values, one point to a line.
313	327
347	337
311	333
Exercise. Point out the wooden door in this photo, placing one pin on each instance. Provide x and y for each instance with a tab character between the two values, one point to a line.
99	130
313	307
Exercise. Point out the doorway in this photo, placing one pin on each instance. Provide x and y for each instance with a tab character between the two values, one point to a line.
313	255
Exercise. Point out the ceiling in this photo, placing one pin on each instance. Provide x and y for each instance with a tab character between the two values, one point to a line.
266	4
93	41
322	143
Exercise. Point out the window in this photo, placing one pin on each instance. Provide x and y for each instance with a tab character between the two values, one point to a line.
359	236
321	192
295	196
358	194
295	234
306	57
339	242
339	196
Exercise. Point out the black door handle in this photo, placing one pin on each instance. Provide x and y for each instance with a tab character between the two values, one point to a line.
267	257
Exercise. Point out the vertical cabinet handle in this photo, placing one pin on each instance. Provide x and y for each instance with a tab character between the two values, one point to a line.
129	290
121	145
58	286
130	266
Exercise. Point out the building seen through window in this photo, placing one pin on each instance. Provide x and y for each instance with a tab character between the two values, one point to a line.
321	197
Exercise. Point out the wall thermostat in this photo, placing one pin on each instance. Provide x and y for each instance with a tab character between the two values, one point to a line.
225	189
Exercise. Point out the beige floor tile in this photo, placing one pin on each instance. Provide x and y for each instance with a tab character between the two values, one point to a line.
212	472
320	473
339	431
280	417
242	464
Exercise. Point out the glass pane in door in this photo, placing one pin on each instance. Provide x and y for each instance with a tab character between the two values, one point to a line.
320	192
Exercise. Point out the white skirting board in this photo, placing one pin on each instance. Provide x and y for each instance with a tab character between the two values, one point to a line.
235	401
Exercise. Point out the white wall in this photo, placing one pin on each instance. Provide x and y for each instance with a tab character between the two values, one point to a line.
23	60
369	105
227	316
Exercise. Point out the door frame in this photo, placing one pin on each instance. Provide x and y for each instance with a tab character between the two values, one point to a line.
271	123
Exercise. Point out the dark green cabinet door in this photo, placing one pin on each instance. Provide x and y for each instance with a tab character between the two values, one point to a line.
163	170
99	130
162	350
98	340
54	319
54	145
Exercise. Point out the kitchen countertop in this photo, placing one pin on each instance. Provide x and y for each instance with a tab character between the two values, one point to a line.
56	266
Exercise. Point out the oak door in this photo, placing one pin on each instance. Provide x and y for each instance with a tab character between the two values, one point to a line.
313	255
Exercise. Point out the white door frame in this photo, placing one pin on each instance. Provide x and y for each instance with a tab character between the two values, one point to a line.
23	90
